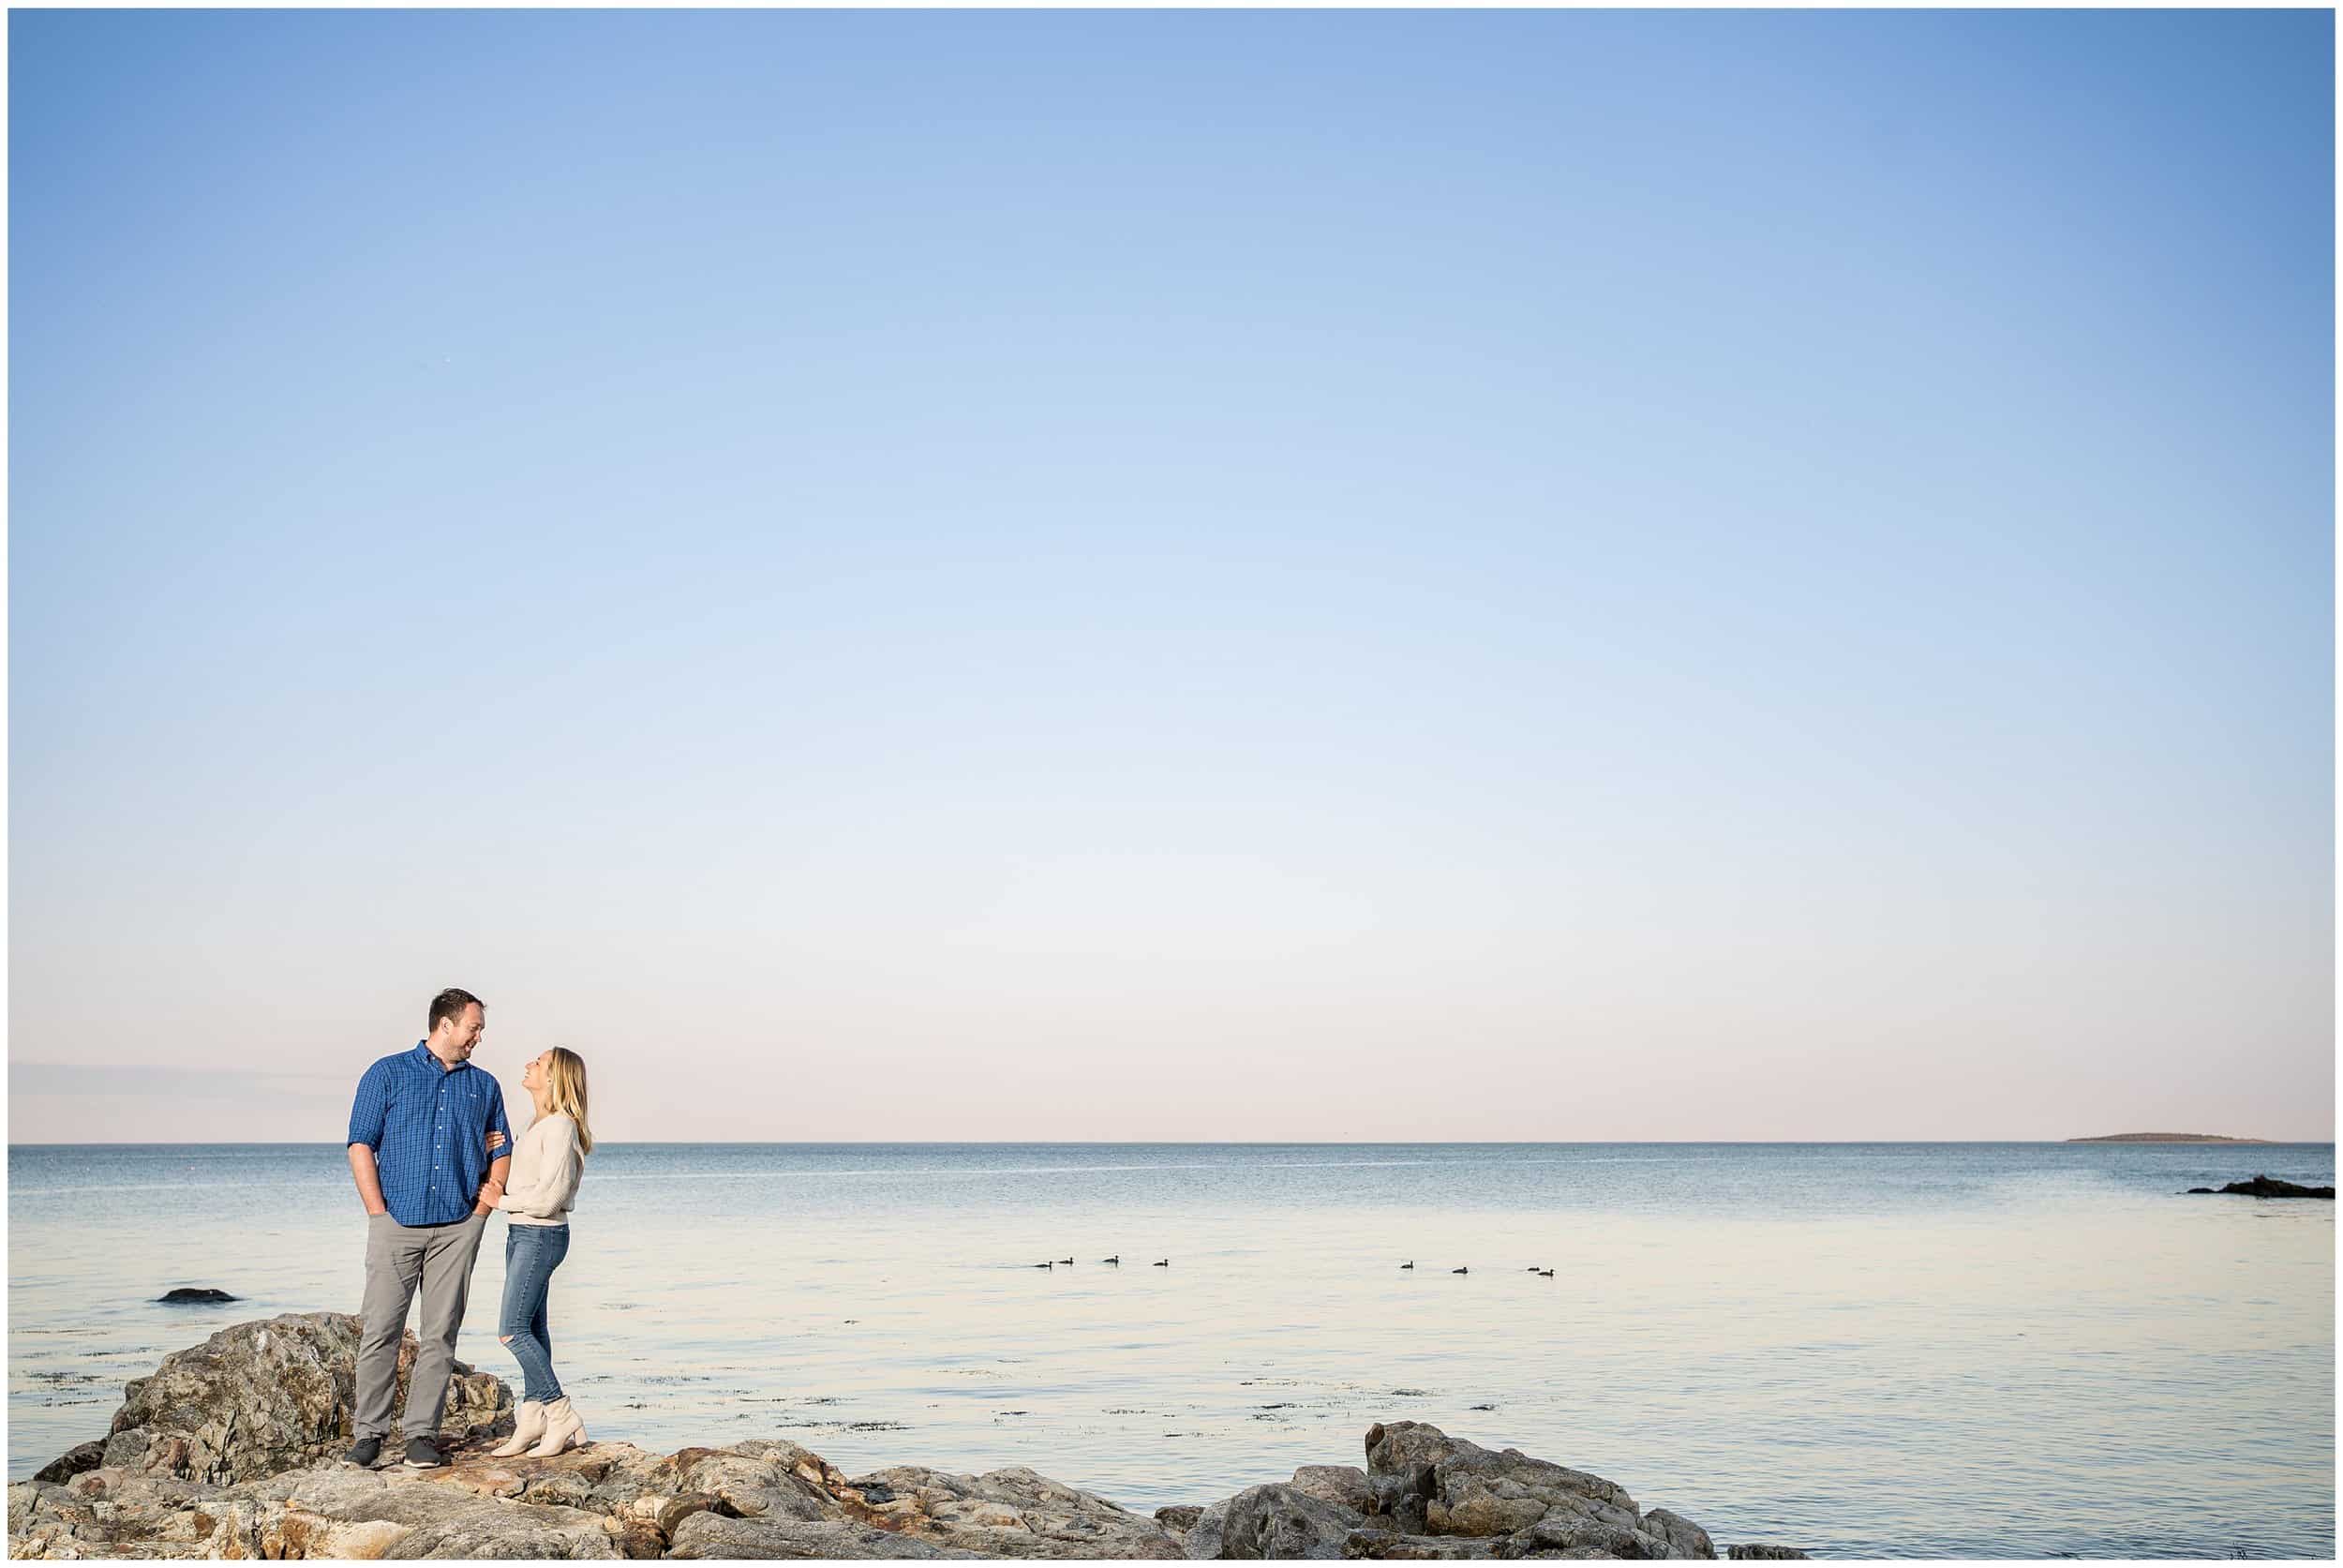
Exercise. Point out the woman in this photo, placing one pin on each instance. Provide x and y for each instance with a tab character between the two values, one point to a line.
546	1166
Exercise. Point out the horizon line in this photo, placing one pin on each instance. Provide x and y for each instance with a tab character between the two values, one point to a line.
1192	1143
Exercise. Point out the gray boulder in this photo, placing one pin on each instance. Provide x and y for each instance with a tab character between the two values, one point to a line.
142	1518
1460	1489
1688	1538
261	1397
750	1482
1424	1483
1179	1520
351	1513
72	1462
1004	1512
1344	1485
1561	1534
712	1535
1758	1551
1383	1546
1274	1521
320	1513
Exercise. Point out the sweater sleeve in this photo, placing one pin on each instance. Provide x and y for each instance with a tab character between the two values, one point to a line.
554	1181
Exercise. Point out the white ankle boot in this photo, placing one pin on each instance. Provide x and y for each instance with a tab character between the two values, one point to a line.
529	1424
564	1429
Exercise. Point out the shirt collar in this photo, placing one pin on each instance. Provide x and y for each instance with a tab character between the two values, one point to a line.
424	1058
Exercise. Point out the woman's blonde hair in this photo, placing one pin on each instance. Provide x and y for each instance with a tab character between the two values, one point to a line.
565	1092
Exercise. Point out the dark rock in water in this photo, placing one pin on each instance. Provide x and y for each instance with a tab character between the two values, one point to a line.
185	1295
72	1462
2270	1187
1758	1551
2197	1189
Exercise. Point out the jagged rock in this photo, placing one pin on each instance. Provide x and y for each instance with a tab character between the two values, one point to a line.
1688	1538
351	1513
1383	1546
1758	1551
72	1462
737	1482
261	1397
1460	1489
186	1296
1179	1520
1561	1534
330	1512
1005	1512
706	1536
120	1514
1202	1540
1344	1485
1275	1520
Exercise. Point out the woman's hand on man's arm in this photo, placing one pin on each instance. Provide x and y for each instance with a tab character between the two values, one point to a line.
493	1188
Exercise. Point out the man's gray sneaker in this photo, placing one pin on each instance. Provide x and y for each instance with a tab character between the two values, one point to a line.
364	1452
422	1454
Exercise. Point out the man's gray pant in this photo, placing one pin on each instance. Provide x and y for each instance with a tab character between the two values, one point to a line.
400	1257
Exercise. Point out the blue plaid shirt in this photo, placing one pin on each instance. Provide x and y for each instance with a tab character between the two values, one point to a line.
428	1128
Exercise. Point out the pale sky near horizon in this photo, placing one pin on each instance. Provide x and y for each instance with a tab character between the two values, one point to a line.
1177	575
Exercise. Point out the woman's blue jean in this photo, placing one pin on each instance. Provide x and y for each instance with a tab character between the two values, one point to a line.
531	1253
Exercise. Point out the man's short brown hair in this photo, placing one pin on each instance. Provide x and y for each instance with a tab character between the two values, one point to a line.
451	1003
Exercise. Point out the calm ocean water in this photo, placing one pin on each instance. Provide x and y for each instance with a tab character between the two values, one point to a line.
1883	1350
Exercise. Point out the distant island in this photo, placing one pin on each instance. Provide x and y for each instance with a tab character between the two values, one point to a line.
2165	1138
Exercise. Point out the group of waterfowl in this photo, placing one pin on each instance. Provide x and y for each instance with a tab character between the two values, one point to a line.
1541	1273
1166	1263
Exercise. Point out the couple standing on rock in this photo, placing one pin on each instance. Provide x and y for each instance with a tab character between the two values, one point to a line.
424	1134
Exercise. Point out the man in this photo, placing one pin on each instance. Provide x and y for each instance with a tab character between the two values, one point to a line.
420	1135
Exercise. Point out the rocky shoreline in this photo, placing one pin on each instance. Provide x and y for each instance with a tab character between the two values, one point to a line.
230	1450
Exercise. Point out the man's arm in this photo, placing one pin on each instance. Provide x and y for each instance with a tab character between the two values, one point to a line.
368	1113
493	1188
370	1180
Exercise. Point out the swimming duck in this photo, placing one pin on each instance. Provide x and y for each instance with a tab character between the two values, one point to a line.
1116	1260
1162	1264
1066	1260
1408	1265
1460	1270
1546	1273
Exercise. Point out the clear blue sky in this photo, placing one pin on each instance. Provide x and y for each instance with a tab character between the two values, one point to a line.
966	574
